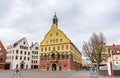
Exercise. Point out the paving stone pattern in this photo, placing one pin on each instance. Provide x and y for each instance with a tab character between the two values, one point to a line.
47	74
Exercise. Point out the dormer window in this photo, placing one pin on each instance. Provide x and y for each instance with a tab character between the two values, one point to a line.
60	40
67	47
53	48
56	40
50	41
24	42
36	48
57	34
50	34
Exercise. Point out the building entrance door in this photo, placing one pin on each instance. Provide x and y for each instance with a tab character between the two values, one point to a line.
53	67
7	66
60	67
22	66
47	67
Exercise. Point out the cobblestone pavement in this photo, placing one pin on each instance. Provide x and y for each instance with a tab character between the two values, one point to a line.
47	74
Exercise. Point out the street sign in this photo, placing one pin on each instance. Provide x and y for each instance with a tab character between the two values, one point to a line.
93	73
17	71
93	69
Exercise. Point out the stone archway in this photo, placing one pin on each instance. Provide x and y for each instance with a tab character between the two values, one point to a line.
54	67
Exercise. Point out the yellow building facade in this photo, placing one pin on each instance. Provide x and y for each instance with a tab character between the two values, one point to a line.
57	52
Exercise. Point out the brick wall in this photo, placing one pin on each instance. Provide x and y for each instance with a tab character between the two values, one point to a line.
65	65
3	57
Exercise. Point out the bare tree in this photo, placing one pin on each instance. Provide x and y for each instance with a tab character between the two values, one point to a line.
95	48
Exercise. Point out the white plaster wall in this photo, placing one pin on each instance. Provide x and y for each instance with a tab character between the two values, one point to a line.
15	62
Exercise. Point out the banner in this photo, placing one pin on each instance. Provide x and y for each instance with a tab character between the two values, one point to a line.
109	68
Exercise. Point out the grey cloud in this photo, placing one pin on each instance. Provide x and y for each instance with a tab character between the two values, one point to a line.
77	18
5	6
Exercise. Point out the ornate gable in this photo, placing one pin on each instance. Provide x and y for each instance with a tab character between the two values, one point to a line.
55	36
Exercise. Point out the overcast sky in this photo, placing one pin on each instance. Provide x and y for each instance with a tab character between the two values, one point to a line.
78	19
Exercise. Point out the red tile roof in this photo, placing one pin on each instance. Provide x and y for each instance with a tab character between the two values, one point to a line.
114	48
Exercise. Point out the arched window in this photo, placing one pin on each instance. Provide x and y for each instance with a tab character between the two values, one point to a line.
25	53
28	53
41	57
41	49
50	34
45	48
56	40
66	47
53	56
71	56
56	33
48	57
63	56
16	57
62	47
50	41
67	56
49	49
58	56
60	40
45	57
53	48
16	66
17	51
21	52
24	42
58	47
20	57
